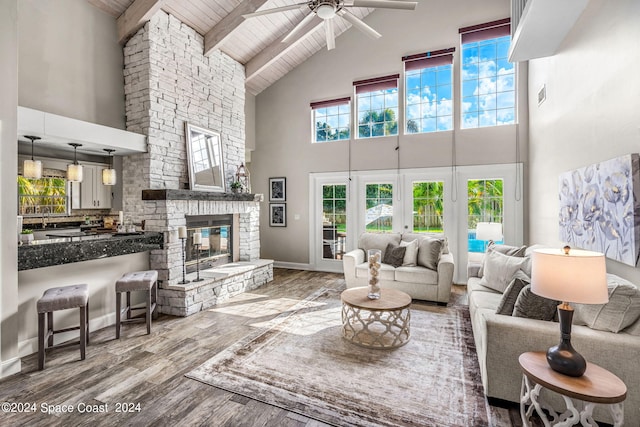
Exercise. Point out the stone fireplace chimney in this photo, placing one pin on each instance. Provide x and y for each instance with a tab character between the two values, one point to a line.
168	83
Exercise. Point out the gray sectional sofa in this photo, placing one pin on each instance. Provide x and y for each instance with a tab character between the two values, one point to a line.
426	272
500	339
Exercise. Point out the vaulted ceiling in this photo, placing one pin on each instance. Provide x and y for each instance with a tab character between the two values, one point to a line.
255	42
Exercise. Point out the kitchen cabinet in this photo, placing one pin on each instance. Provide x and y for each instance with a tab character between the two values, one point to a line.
93	194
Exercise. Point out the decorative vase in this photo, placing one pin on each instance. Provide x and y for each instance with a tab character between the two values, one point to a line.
26	238
375	259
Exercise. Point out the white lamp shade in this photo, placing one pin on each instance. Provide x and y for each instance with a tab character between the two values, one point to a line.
489	231
74	173
109	176
32	169
580	276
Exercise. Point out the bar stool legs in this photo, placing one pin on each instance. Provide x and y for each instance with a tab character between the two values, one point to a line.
143	281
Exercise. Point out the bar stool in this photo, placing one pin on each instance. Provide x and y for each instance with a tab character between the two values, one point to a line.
56	299
146	281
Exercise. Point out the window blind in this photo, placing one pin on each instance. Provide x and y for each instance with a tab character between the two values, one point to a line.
378	83
428	59
488	30
330	103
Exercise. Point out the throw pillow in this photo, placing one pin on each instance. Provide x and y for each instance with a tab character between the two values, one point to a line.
394	255
429	250
518	251
622	310
410	254
534	306
499	269
510	296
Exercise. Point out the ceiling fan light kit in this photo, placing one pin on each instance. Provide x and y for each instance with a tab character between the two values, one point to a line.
327	11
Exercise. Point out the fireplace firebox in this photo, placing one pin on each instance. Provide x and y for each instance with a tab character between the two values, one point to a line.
217	241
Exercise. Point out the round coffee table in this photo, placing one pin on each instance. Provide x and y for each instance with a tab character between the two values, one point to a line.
376	323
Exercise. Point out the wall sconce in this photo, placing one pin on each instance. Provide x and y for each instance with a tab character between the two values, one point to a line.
32	168
74	170
109	175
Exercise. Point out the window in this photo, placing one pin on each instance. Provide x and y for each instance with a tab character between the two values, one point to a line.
332	119
488	78
44	195
377	106
428	207
334	220
485	204
379	203
428	95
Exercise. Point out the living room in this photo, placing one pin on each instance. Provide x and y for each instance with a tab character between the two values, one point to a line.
589	115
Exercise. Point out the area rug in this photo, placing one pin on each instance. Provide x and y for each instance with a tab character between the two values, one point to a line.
300	362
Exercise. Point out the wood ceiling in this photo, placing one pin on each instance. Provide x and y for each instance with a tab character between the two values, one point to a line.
255	42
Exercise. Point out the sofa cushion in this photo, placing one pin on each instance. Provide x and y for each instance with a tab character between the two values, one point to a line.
377	241
394	255
517	251
499	269
622	310
386	272
429	251
419	236
411	253
474	285
416	275
534	306
510	296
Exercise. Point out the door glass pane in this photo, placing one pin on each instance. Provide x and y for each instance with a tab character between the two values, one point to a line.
485	205
379	203
334	221
428	207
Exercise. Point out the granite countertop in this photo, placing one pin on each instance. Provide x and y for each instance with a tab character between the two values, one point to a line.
46	253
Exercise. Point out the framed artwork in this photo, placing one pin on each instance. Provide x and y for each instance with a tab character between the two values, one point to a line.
600	208
277	189
277	215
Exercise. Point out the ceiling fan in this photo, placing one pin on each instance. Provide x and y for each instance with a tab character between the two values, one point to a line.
327	10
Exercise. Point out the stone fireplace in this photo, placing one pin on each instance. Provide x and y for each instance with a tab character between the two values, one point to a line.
168	83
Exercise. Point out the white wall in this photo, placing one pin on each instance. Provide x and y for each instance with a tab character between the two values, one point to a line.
592	110
283	118
9	362
70	62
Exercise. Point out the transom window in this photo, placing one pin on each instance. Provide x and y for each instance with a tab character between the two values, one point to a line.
332	120
44	195
428	96
488	78
377	106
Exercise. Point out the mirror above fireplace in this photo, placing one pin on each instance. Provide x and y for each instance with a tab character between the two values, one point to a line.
204	155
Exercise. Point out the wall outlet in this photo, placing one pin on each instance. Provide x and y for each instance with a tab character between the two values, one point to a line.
542	94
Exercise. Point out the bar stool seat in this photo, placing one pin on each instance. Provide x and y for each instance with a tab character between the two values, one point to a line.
56	299
145	281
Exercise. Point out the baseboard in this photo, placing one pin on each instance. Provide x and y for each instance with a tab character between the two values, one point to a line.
293	265
10	367
30	346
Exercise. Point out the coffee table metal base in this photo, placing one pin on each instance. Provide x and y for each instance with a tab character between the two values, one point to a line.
376	329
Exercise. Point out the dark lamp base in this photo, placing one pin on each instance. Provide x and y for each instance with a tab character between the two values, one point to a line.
564	359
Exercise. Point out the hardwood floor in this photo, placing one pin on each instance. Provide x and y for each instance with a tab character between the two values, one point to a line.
142	376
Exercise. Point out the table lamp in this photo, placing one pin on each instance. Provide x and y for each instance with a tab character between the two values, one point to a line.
568	275
489	231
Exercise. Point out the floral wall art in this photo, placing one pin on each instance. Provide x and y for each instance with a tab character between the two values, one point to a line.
600	208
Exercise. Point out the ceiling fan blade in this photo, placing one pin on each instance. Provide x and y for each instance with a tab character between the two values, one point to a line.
331	37
276	9
299	27
386	4
356	22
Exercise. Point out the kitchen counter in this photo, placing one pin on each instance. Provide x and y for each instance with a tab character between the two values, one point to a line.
65	250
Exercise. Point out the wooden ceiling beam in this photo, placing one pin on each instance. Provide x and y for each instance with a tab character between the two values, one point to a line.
227	25
136	16
277	49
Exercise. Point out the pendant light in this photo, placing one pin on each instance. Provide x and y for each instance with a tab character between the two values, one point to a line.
32	168
74	170
109	175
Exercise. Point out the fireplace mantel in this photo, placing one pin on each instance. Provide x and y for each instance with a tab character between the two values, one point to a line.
166	194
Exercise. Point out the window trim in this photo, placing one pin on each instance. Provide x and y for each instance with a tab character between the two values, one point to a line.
488	30
316	105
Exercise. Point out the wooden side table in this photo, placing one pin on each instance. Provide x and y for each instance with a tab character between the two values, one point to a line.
596	386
